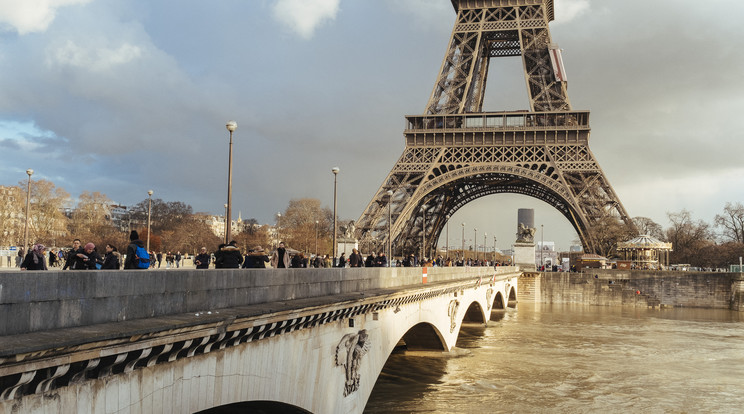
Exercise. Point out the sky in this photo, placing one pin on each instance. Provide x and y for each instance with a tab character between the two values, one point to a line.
126	96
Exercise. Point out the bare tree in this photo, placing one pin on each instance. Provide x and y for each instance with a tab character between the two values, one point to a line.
607	232
164	215
649	227
253	235
47	222
688	237
719	255
91	214
731	222
189	236
90	221
298	227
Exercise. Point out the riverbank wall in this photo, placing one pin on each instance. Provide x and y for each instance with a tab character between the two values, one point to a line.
638	288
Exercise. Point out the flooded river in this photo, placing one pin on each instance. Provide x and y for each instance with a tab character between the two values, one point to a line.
576	359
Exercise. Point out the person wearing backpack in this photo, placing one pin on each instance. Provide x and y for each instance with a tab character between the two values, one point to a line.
133	261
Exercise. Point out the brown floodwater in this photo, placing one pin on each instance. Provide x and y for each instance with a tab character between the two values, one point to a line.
576	359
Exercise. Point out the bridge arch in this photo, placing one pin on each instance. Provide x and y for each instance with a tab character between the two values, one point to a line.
512	298
256	407
448	190
475	313
423	336
498	301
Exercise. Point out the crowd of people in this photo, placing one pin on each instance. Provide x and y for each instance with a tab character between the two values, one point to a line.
227	256
82	257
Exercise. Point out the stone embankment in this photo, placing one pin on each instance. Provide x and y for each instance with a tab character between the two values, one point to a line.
637	288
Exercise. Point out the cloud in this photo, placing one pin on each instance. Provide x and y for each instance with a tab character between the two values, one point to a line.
304	16
93	59
567	10
427	13
28	16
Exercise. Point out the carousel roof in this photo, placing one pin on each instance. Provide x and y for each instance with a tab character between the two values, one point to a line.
644	241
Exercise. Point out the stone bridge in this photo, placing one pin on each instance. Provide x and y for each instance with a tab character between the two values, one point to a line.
184	341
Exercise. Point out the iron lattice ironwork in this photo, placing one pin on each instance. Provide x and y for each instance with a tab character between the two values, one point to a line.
456	153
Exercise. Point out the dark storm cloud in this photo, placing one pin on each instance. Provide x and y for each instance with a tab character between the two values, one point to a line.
140	92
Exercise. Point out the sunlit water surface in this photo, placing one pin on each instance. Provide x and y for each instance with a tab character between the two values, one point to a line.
576	359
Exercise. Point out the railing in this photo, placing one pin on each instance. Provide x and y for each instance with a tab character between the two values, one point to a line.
500	121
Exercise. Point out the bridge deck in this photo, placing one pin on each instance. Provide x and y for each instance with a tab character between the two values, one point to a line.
34	342
49	348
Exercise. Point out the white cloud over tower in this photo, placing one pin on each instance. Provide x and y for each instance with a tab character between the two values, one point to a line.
305	16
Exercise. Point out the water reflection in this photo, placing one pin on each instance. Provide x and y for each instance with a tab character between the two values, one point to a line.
576	359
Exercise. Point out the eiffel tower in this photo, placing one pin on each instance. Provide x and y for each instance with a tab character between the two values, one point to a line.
456	153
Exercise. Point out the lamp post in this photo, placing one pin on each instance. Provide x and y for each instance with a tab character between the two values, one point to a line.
316	237
278	237
463	243
475	241
494	249
224	231
335	171
484	245
390	227
30	172
423	237
149	212
231	126
447	236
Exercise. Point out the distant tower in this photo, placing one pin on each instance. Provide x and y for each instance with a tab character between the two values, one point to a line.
456	153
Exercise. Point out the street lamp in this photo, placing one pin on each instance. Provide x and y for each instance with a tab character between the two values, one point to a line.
475	241
278	237
335	171
149	212
423	237
494	248
231	126
447	236
225	231
316	237
484	245
30	172
463	243
390	226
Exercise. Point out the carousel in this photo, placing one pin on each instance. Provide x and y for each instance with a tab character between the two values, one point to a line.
644	252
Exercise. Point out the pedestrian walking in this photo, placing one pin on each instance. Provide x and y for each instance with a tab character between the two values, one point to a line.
202	259
381	260
230	256
355	260
256	259
341	260
280	258
133	260
71	253
371	260
35	259
87	258
112	259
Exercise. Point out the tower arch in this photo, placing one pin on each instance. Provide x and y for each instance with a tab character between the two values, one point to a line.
449	192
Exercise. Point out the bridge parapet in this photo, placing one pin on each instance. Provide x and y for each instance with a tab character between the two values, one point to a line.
47	300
